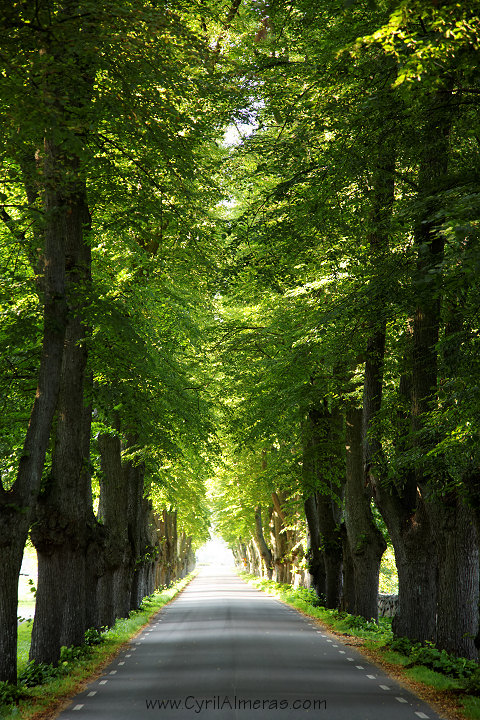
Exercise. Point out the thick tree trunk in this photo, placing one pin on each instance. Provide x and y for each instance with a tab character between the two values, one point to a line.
455	538
281	541
263	548
403	511
316	561
116	577
324	477
330	526
417	575
17	503
143	530
65	524
365	540
458	578
348	589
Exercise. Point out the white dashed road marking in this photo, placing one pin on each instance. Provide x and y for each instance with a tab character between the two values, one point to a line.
400	699
78	707
371	677
91	694
103	682
384	687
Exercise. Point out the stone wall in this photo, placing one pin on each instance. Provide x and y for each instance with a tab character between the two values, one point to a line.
387	605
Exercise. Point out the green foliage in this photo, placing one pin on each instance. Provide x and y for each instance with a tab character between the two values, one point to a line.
10	694
472	683
402	645
74	653
37	674
429	656
94	636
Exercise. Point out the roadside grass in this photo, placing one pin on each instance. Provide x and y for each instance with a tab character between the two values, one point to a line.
450	677
425	675
78	665
23	644
471	707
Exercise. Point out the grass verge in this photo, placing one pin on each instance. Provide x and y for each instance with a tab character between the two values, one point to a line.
78	666
442	690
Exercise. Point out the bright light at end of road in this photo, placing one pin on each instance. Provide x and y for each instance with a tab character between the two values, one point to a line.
215	552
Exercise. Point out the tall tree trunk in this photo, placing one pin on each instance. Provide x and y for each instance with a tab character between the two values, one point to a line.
324	476
264	550
348	590
65	524
417	574
400	505
137	512
116	577
454	535
316	561
365	540
283	540
458	577
17	503
330	525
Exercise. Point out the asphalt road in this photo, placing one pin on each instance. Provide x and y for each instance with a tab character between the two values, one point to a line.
224	650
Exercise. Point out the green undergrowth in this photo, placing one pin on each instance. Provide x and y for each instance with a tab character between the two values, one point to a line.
42	686
423	663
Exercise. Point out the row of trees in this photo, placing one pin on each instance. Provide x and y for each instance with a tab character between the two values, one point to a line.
349	334
108	113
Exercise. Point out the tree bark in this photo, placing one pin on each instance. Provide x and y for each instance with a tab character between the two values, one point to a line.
316	562
365	540
401	506
17	503
455	539
347	603
65	524
324	480
458	577
263	548
281	542
116	577
415	556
